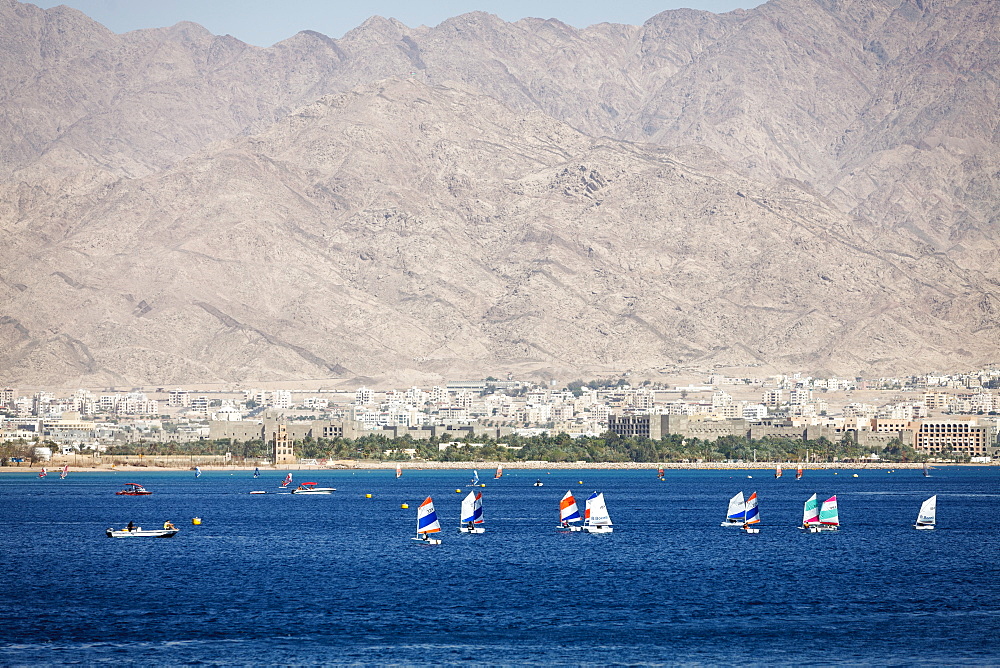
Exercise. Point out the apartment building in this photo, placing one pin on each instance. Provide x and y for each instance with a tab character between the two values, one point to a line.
963	436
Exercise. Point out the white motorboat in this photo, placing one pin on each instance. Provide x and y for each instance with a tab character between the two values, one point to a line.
139	532
311	488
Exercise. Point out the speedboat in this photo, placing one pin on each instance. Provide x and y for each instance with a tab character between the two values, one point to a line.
139	532
311	488
133	489
538	483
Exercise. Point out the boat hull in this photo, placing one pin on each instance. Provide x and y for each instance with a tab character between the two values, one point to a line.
923	527
472	529
819	529
598	528
751	529
142	533
570	528
132	493
319	490
427	541
730	523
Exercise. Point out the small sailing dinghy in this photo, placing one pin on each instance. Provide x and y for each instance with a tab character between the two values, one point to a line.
595	515
568	512
752	515
427	523
823	518
472	514
777	471
737	512
927	517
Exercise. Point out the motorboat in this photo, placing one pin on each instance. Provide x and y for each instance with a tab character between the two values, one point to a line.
133	489
311	488
139	532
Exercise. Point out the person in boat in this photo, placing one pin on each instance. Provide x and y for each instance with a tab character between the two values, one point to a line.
130	526
169	525
565	524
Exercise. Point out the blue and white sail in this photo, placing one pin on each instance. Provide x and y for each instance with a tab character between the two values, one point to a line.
475	477
197	471
737	511
256	472
753	513
472	513
595	515
427	519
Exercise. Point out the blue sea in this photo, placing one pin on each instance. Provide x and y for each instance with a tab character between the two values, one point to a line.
281	579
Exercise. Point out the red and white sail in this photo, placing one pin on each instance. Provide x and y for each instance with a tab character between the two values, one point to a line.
427	519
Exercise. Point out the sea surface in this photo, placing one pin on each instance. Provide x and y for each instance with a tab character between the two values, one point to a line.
281	579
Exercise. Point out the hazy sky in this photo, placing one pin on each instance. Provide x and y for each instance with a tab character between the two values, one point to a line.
264	22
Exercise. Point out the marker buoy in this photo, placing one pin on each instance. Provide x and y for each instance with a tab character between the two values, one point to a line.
579	482
404	506
195	520
368	496
458	491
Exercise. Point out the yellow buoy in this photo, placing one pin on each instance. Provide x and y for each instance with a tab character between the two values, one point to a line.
579	482
482	484
195	520
404	506
855	475
458	491
368	496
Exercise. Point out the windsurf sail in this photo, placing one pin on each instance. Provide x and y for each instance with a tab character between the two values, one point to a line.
828	512
475	477
256	472
197	471
399	470
287	481
798	473
810	511
753	514
568	512
427	519
737	511
928	512
499	472
43	473
927	471
595	511
777	471
472	508
64	472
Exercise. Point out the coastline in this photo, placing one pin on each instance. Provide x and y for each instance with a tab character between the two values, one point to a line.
341	465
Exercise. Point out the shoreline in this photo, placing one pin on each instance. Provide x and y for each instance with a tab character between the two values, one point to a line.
345	465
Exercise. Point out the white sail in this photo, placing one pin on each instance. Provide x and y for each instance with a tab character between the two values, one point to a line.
468	508
596	511
737	508
928	512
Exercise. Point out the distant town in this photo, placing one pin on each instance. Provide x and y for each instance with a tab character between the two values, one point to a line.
946	418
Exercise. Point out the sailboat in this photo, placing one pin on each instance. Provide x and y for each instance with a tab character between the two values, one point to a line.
427	523
798	473
475	478
595	515
568	512
64	472
472	514
43	473
197	471
736	514
752	516
927	517
256	472
777	471
499	472
661	474
287	481
399	470
927	471
823	518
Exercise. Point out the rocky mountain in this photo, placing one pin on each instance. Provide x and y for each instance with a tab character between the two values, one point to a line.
807	185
